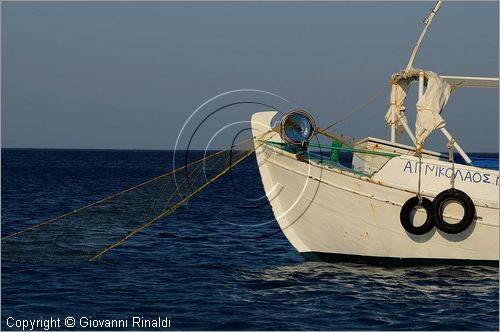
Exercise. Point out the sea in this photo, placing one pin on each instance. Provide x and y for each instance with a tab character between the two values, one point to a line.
211	265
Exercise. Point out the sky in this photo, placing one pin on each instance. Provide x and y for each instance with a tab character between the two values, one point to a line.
125	75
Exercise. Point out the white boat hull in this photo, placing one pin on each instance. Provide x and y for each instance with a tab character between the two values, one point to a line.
333	214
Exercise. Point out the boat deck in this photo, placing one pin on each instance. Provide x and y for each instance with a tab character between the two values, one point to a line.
323	157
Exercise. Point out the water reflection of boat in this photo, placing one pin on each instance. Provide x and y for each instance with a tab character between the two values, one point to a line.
390	203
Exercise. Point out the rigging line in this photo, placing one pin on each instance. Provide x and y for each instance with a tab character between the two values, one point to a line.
173	208
117	194
356	109
343	140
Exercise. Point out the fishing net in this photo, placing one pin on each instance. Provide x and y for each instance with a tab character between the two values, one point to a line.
89	232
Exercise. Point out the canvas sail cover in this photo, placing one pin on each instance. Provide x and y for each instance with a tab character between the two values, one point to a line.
397	98
429	106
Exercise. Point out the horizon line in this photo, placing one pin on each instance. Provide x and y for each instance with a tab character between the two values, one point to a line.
145	149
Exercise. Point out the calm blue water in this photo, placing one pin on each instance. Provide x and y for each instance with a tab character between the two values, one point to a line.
207	268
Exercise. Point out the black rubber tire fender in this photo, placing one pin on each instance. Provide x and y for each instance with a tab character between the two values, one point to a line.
405	215
460	197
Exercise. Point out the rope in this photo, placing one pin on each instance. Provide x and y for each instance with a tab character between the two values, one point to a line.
419	194
121	192
161	190
336	137
356	109
194	173
451	158
173	208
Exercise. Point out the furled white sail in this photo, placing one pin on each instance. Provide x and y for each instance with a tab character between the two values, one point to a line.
401	82
399	91
429	107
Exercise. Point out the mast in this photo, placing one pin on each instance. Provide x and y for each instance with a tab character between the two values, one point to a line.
427	22
402	117
398	116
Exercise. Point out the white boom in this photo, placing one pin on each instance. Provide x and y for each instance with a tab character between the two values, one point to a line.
471	82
